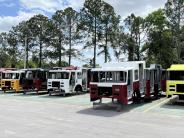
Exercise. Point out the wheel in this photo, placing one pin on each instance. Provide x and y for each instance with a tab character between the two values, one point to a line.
136	97
78	89
147	100
168	96
181	97
64	94
50	93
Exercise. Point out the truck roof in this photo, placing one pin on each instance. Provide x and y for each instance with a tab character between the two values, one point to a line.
112	69
36	69
176	67
154	67
59	70
120	66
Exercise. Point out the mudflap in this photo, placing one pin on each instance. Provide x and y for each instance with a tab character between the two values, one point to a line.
163	85
119	92
156	91
148	91
136	97
94	93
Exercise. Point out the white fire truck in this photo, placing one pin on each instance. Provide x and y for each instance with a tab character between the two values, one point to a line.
68	80
122	81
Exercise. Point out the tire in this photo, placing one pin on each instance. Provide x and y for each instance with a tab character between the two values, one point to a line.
181	97
136	97
50	93
169	96
78	89
64	94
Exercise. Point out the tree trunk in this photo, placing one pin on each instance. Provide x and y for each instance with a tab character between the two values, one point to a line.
70	42
40	60
60	53
139	44
94	59
105	48
131	49
27	52
178	32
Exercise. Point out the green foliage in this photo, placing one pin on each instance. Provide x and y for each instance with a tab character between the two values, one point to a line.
174	10
38	25
42	42
135	26
159	42
110	23
90	18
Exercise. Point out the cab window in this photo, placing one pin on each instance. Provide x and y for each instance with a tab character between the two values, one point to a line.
79	75
109	77
136	75
102	76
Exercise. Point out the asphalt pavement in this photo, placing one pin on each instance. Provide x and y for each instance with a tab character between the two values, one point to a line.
73	116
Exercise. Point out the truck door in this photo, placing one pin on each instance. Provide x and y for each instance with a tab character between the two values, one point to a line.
79	78
84	78
130	82
72	80
152	79
141	76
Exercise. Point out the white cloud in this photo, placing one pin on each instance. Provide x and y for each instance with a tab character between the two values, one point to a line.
76	4
6	22
51	5
45	5
138	7
122	7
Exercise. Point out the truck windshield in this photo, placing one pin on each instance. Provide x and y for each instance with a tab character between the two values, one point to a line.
10	76
15	75
109	76
31	74
176	75
6	75
58	75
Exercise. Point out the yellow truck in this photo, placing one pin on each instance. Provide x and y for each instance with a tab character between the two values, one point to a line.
2	73
175	81
12	80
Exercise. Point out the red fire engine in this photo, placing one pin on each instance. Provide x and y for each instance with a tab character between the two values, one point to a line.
127	81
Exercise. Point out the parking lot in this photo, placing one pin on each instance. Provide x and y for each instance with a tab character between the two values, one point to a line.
73	116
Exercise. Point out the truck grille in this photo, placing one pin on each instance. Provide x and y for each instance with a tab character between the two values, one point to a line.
180	88
8	83
55	84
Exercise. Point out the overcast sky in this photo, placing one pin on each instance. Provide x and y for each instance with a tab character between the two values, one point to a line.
14	11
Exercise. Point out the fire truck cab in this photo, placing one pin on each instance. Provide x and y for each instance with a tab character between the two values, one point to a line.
122	81
12	80
68	80
2	73
35	80
175	81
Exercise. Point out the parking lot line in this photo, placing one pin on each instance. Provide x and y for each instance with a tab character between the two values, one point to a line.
158	104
